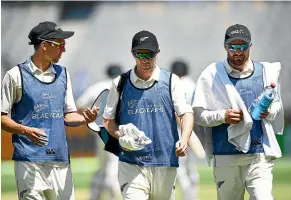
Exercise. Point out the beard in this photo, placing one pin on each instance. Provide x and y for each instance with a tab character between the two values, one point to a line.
238	59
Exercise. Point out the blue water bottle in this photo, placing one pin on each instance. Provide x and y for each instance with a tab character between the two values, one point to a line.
267	98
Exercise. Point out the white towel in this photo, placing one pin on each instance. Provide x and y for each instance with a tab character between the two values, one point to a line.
238	134
213	93
270	144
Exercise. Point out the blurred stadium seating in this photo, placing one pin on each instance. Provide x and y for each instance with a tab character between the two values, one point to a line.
193	31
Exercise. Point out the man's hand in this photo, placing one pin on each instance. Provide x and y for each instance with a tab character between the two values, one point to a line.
90	114
181	147
264	114
37	136
126	143
233	116
129	144
132	139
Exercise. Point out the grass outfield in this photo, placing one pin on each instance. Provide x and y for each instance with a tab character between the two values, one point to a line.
83	168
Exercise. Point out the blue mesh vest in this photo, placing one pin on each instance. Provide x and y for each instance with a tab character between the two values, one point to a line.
151	110
249	89
41	106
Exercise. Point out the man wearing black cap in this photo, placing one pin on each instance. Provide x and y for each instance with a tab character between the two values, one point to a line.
38	95
242	148
148	102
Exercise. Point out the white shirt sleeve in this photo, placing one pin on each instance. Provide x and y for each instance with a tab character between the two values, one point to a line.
8	93
208	118
112	101
70	105
179	97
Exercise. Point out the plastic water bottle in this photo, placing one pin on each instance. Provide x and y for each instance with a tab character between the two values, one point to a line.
267	98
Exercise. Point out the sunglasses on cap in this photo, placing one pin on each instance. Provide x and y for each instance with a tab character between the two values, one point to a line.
235	47
148	55
60	45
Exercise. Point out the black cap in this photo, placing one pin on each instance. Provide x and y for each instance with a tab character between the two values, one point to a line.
113	71
144	40
179	68
237	32
47	31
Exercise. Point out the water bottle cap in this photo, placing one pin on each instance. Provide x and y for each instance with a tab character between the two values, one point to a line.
273	85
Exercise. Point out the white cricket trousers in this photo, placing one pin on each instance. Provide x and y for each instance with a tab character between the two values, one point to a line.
146	183
256	178
44	181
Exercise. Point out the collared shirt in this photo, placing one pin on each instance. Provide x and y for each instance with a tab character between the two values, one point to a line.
139	83
178	96
247	71
12	87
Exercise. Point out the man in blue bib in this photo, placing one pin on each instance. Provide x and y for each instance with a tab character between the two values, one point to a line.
38	95
148	102
242	148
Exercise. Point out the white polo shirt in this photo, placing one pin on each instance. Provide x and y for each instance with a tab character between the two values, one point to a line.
11	92
178	95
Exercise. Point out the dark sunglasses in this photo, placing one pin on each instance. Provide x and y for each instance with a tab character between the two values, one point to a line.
148	55
235	47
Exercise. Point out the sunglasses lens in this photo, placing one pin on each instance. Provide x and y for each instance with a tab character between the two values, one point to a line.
235	47
245	47
231	47
144	55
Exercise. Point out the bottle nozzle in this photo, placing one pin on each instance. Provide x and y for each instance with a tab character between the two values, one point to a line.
273	85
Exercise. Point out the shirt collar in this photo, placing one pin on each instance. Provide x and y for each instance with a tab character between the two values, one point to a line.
155	76
229	69
34	69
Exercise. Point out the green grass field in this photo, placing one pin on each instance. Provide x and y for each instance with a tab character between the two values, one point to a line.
83	168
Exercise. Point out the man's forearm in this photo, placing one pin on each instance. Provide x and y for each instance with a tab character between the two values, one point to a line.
9	125
74	119
111	127
187	123
208	118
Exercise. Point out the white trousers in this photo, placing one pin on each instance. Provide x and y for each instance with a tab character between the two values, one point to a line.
146	183
256	178
44	181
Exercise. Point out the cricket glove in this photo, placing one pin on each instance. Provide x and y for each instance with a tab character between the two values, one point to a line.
132	138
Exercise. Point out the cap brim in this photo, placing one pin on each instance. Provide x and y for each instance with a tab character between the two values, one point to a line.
145	46
60	34
65	34
237	38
